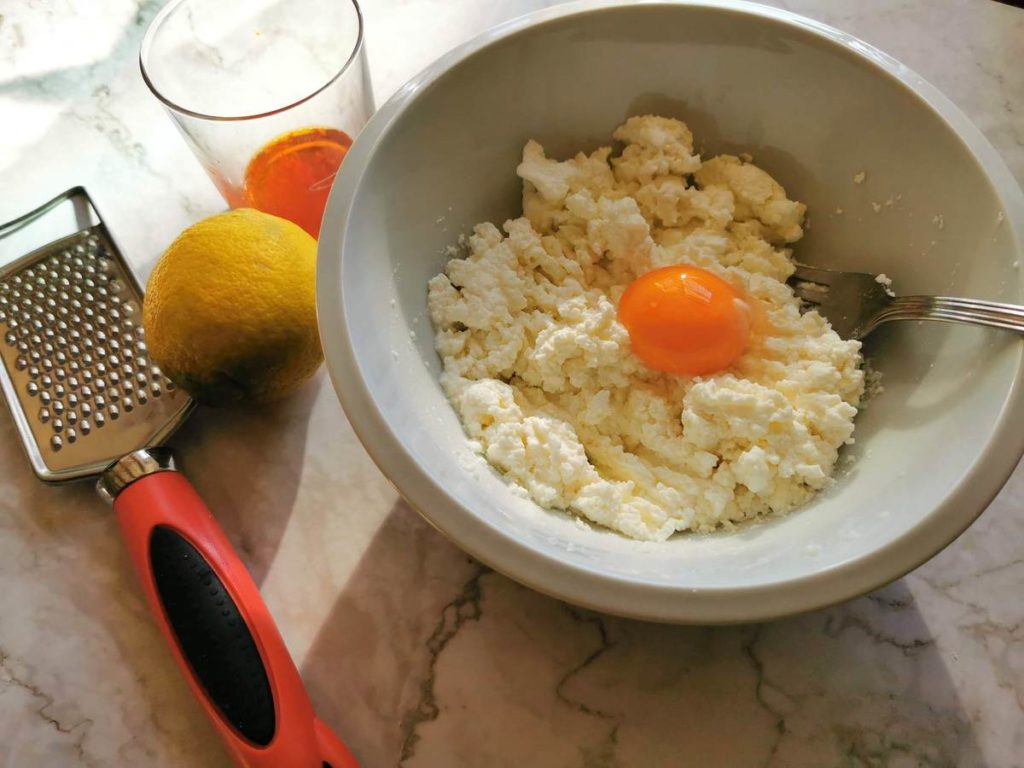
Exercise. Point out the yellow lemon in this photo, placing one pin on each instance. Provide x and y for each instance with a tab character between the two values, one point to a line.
230	309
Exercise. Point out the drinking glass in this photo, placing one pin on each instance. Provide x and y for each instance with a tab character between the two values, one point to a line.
267	93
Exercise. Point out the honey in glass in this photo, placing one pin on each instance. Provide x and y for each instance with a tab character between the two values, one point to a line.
291	176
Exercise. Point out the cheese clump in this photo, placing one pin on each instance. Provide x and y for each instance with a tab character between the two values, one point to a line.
540	371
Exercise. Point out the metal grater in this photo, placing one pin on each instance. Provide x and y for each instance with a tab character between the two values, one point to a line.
76	373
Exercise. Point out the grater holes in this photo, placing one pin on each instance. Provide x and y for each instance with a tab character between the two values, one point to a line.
32	389
58	407
84	427
21	363
61	374
34	356
56	443
72	417
99	420
71	435
58	424
44	414
47	363
45	398
114	412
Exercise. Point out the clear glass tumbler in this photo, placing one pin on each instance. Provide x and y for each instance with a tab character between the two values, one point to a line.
269	95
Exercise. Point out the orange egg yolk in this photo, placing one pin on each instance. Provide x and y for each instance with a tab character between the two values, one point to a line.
685	320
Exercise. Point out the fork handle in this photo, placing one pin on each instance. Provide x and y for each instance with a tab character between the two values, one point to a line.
210	612
992	314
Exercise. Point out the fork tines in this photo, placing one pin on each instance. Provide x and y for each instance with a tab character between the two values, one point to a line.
811	285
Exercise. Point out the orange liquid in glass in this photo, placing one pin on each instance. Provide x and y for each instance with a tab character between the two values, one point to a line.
292	175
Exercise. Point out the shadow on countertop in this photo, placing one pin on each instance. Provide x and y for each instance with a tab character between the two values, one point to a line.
430	659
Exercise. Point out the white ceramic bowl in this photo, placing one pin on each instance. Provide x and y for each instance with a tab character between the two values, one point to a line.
815	107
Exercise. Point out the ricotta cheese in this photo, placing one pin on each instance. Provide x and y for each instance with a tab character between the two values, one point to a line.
540	371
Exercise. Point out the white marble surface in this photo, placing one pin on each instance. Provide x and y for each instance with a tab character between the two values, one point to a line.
415	654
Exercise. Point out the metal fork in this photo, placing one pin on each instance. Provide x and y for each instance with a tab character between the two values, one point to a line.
855	303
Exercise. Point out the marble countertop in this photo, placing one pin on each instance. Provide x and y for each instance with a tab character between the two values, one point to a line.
414	653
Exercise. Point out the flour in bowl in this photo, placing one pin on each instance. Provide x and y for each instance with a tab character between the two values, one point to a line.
543	375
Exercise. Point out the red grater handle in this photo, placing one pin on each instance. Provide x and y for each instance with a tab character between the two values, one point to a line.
219	629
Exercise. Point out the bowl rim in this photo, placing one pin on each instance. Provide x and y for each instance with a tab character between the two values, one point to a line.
618	594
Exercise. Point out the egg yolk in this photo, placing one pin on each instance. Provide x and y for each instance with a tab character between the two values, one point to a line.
685	320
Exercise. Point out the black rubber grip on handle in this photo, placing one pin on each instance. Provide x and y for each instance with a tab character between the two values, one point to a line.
212	635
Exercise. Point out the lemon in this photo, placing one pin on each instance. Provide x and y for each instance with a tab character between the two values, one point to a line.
230	309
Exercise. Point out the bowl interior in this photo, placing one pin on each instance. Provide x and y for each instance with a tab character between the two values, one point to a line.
814	112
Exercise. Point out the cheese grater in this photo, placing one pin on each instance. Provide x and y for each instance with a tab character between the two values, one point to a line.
88	400
76	373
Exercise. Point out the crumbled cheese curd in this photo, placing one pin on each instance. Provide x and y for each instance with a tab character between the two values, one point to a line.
540	371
